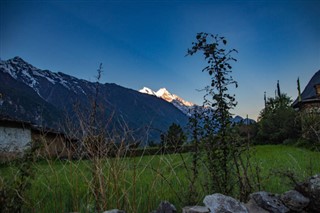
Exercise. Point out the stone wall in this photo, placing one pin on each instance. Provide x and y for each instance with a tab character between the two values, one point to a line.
14	139
304	198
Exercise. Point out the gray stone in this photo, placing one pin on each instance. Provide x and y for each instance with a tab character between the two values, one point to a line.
295	200
195	209
114	211
254	208
311	190
220	203
269	201
314	187
166	207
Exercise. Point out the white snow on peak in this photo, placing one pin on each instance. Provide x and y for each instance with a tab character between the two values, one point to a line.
29	75
184	102
31	81
8	69
163	93
44	75
148	91
36	78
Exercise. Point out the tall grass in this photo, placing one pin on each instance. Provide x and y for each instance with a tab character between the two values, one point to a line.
138	184
277	161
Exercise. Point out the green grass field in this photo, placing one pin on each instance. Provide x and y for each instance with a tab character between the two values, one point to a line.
139	184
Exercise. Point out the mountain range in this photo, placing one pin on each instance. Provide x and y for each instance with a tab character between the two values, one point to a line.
49	99
185	106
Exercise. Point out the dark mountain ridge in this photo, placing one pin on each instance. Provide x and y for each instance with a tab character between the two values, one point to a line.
47	98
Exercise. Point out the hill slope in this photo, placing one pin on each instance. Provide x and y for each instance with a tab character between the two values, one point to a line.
45	98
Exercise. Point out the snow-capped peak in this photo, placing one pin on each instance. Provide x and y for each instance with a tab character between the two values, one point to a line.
35	77
148	91
182	105
162	91
165	94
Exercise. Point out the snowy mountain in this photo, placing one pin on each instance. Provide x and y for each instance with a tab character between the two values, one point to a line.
183	105
36	78
148	91
45	98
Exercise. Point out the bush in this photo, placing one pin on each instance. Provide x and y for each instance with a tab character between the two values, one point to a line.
278	121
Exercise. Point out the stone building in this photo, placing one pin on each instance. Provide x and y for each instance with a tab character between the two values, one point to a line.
310	97
16	136
308	104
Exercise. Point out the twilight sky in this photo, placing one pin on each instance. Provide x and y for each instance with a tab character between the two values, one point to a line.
144	43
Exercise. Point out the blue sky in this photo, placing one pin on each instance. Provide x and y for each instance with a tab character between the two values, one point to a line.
144	43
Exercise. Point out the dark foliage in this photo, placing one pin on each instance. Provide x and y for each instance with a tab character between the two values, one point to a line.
175	137
219	103
278	121
13	191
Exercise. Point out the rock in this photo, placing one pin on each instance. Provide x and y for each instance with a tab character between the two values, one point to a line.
311	190
195	209
254	208
114	211
166	207
314	187
269	202
294	200
219	203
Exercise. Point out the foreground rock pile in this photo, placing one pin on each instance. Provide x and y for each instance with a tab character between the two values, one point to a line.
304	198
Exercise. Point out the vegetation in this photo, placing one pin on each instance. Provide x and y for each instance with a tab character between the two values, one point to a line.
278	121
219	102
277	161
13	190
140	183
175	137
108	174
197	133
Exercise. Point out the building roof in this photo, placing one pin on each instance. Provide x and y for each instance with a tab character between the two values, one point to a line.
14	123
309	93
8	122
